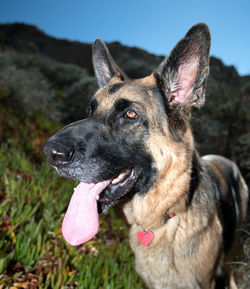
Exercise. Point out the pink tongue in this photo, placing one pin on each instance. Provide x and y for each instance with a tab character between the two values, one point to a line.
81	222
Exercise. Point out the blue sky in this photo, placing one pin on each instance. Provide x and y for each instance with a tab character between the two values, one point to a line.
154	25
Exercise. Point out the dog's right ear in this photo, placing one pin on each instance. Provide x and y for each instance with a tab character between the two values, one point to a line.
104	65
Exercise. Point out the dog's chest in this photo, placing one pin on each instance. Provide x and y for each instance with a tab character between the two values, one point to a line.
176	256
158	263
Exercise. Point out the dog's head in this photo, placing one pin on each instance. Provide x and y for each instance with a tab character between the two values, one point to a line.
124	144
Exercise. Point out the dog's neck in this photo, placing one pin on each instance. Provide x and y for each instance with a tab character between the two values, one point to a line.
175	190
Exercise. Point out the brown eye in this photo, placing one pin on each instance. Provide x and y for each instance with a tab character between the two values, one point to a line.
131	114
90	111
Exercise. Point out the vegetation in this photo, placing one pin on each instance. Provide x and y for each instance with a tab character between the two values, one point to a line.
35	84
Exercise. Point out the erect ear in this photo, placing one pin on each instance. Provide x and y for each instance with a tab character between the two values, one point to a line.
104	65
182	76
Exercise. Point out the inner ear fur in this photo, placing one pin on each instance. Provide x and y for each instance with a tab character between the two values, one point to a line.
182	76
104	65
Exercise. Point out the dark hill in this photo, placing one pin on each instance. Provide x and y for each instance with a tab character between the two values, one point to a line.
25	38
29	39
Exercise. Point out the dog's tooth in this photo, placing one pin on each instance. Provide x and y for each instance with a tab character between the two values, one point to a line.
119	178
115	181
97	197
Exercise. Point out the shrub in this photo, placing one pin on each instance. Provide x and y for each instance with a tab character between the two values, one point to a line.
34	84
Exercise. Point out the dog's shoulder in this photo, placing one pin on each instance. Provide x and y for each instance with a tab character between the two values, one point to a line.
230	192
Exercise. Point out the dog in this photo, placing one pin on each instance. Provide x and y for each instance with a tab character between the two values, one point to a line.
136	148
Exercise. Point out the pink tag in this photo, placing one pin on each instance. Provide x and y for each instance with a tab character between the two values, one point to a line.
145	237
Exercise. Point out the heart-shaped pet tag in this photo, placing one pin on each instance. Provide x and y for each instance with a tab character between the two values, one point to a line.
145	237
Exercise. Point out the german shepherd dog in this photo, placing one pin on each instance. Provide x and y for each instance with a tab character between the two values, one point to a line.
136	148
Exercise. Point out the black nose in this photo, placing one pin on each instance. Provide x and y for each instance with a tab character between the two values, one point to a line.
58	153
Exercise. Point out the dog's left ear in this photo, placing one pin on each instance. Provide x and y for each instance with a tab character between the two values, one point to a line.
181	77
104	65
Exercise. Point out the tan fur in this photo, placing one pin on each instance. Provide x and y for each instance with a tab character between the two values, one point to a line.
169	193
106	100
146	213
177	239
187	250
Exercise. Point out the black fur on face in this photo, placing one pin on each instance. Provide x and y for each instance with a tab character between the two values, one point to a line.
101	148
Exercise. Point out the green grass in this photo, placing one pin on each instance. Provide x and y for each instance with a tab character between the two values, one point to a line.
33	200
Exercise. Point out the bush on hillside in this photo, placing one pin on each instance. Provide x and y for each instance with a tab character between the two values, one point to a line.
36	84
